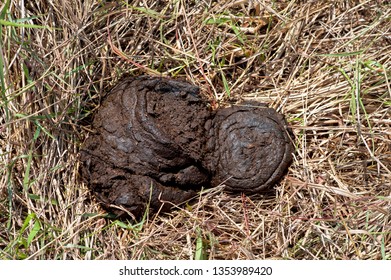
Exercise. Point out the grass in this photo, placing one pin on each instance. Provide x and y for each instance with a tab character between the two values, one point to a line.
324	64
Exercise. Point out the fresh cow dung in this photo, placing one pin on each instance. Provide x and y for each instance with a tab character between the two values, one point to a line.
157	143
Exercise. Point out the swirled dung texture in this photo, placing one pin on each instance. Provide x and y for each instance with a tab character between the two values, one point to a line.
249	148
157	143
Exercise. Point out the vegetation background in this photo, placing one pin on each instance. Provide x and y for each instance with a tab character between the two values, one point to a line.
324	64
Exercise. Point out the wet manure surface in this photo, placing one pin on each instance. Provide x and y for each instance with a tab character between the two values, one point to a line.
156	142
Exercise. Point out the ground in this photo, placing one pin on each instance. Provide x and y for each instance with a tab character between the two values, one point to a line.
324	64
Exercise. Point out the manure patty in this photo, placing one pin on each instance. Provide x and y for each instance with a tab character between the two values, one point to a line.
156	142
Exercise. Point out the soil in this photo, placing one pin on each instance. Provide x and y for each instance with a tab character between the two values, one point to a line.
157	143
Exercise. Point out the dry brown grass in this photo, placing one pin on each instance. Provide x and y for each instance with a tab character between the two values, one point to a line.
325	64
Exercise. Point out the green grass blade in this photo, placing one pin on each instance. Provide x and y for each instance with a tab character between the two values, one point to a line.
5	9
200	253
383	248
26	222
34	231
226	85
16	24
2	73
44	129
342	54
148	12
26	177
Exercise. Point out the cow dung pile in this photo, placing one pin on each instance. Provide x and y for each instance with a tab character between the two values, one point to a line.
157	142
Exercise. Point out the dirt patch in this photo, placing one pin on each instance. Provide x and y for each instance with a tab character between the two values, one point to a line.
157	140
